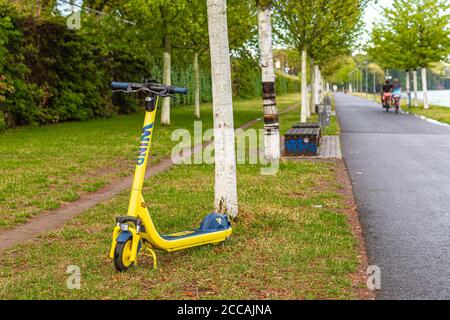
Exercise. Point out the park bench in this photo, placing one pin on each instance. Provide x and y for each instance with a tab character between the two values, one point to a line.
302	140
304	137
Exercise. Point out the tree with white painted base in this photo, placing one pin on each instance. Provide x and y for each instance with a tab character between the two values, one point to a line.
304	85
225	188
424	89
271	124
167	79
408	87
416	101
319	29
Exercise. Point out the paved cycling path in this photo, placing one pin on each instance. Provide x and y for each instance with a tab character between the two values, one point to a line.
400	171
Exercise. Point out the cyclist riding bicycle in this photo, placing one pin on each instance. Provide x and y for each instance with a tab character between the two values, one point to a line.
386	93
396	95
396	89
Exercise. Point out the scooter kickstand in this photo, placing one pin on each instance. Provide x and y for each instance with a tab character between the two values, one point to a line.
153	254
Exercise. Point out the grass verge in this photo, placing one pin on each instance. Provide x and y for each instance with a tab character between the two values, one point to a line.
434	112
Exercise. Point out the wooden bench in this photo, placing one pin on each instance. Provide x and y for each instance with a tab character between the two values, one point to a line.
302	140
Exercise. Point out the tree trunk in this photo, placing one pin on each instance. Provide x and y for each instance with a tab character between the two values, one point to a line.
38	10
271	124
197	86
313	98
408	88
425	89
225	188
165	111
319	89
416	102
350	84
304	106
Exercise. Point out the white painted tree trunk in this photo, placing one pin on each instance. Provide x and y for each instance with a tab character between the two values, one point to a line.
165	110
271	124
225	188
304	106
416	102
425	89
313	98
197	86
318	84
408	88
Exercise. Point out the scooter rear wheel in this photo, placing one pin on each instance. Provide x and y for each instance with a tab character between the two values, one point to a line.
122	255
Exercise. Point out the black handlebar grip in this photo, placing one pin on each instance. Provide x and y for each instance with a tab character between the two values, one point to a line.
179	90
119	85
126	85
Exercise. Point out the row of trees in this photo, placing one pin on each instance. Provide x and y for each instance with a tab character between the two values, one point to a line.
322	30
412	34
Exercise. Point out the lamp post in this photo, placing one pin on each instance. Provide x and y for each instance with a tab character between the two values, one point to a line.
361	88
374	85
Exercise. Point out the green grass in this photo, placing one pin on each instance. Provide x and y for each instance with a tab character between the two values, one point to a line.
294	244
42	167
435	112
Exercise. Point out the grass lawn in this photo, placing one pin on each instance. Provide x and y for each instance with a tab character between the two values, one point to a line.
295	243
42	167
435	112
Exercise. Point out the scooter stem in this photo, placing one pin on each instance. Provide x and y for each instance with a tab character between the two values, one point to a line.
141	162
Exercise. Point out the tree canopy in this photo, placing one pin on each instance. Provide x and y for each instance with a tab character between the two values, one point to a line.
412	34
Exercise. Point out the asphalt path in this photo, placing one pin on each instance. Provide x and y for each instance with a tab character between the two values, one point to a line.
400	170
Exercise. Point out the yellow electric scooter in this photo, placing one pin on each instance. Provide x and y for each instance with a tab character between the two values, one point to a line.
135	233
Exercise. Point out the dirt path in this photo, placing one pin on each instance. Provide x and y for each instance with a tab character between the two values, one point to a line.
55	219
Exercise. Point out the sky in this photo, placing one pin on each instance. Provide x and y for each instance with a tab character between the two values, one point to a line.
373	12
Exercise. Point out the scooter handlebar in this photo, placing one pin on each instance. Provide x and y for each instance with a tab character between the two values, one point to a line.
155	87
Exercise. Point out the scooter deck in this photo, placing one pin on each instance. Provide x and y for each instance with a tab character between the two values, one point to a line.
189	233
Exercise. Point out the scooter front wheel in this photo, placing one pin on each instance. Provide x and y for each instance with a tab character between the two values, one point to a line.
122	255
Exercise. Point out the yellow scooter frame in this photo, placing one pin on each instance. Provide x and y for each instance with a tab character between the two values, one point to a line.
128	237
